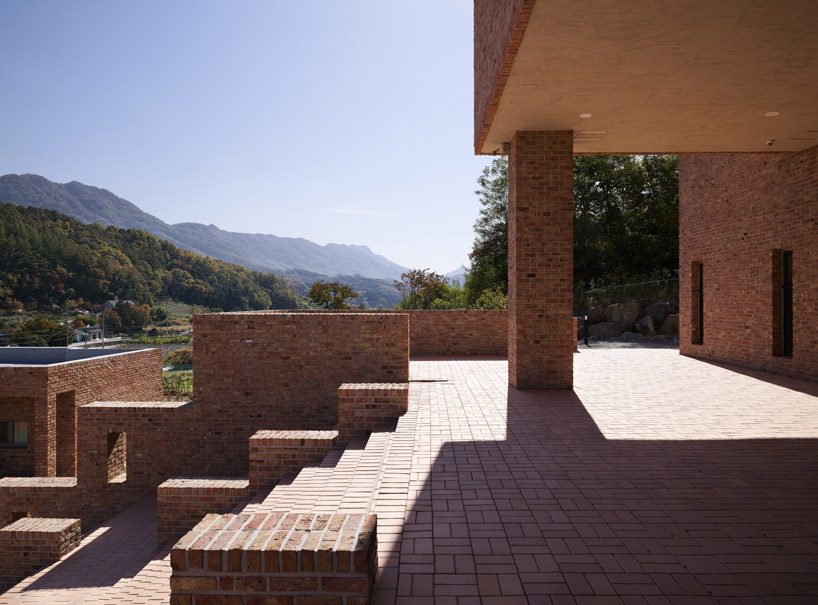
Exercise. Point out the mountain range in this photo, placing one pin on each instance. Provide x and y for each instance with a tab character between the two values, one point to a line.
261	252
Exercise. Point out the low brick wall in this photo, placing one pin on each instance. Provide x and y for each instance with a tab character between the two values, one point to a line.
29	544
37	497
273	454
363	408
458	332
181	503
300	558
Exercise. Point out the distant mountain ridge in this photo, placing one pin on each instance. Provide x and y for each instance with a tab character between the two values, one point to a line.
256	251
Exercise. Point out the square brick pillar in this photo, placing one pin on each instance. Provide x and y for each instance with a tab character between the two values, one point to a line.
541	336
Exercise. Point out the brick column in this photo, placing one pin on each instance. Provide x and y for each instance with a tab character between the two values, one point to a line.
541	260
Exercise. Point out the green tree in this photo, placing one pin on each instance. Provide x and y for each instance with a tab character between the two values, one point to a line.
331	295
420	288
489	255
626	222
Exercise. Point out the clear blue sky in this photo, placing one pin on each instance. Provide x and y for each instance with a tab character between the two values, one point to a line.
344	122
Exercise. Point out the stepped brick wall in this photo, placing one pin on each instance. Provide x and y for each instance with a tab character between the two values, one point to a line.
735	210
363	408
181	503
273	370
273	454
298	558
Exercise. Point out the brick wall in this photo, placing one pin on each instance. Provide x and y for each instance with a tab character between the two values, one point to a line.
282	370
29	544
472	332
303	559
273	454
181	503
540	260
38	497
363	408
735	209
18	461
498	31
132	376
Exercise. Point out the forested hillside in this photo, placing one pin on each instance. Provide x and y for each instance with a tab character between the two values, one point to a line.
47	258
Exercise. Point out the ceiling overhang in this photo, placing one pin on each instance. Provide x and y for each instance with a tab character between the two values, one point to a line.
660	76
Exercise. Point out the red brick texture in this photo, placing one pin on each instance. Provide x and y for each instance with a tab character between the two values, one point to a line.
29	544
18	461
274	454
363	408
498	32
106	484
297	559
131	376
735	210
457	332
282	371
540	260
181	503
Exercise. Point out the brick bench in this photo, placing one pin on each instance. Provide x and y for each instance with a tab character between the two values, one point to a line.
31	543
363	408
273	454
181	503
303	559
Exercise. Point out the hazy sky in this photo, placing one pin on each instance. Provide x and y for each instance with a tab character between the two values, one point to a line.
336	121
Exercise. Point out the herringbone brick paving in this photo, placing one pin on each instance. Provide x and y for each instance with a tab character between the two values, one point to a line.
659	479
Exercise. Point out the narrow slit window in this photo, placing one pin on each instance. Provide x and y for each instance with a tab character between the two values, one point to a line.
782	303
697	304
117	457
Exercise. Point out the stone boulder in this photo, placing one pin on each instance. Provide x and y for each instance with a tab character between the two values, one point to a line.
596	315
623	314
658	312
645	326
670	327
606	329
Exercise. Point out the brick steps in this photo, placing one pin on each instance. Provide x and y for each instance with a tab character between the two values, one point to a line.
346	481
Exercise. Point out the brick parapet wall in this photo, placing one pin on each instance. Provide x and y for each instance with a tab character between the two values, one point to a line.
29	544
282	370
182	502
363	408
540	260
735	209
444	332
274	454
303	559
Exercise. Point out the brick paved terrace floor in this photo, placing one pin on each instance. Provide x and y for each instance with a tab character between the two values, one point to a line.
658	479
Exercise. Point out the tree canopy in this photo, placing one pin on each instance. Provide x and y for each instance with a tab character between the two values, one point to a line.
331	295
626	223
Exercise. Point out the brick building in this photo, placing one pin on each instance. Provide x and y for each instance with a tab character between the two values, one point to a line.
731	87
41	390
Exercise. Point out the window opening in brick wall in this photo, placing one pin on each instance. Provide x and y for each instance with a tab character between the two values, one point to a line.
13	433
782	302
697	300
117	457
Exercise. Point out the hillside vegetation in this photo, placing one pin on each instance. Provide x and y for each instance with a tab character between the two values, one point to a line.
47	258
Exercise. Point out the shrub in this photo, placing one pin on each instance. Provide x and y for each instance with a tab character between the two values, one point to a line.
180	357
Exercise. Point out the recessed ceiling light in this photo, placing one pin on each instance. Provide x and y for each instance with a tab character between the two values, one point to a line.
772	114
585	116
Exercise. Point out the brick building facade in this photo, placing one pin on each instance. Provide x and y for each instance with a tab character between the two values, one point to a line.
738	213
